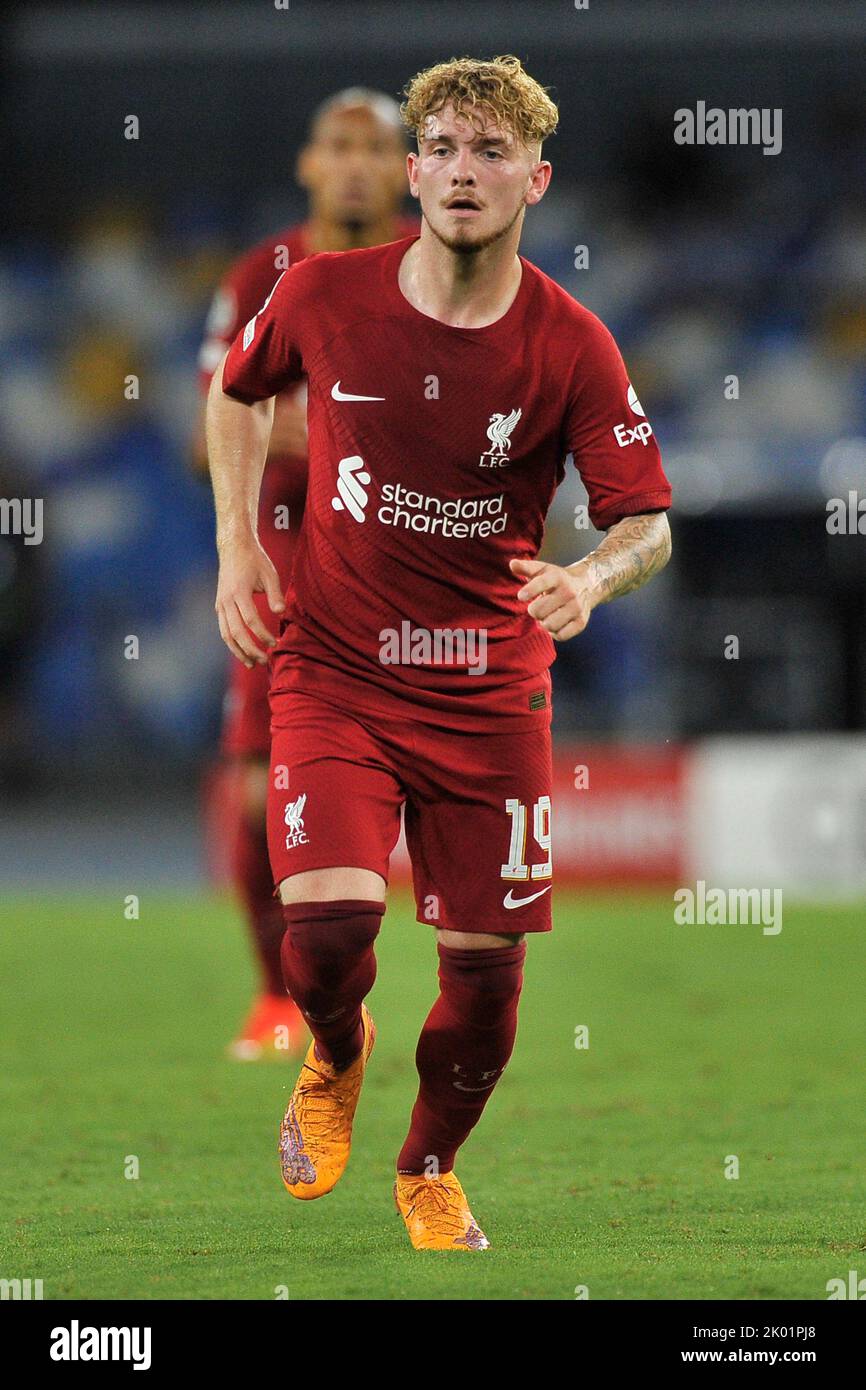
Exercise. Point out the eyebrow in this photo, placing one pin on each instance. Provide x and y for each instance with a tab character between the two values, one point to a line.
478	140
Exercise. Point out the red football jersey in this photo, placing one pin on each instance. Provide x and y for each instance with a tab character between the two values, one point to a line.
241	293
434	453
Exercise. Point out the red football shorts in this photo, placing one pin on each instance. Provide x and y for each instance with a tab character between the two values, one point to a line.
476	807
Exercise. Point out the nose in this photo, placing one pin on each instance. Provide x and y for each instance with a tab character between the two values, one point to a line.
462	172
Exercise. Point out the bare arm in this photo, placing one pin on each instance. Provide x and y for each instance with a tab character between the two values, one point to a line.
633	551
237	446
561	598
288	434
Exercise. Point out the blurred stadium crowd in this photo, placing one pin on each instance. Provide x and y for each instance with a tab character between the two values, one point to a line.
699	276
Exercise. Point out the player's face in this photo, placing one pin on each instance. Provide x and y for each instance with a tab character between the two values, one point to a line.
353	168
473	184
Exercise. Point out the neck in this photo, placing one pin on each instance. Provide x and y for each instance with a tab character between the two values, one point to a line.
462	289
323	235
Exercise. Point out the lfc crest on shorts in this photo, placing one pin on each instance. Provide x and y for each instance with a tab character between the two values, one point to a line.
294	819
499	433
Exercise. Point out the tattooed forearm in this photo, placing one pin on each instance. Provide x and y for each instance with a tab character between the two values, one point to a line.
633	551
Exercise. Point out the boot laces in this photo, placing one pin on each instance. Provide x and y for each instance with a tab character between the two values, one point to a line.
320	1107
435	1205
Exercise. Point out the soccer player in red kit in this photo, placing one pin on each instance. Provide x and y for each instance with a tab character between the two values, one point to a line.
353	169
449	379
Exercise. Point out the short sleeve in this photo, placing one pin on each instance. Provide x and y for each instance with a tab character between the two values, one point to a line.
265	357
610	438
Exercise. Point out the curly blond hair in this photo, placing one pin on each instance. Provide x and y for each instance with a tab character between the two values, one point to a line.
501	87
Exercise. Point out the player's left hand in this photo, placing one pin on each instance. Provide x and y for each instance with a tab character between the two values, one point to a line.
560	600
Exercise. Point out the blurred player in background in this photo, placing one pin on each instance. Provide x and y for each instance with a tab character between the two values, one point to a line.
353	170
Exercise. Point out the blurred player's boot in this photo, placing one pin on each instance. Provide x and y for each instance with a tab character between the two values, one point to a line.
437	1214
274	1027
316	1133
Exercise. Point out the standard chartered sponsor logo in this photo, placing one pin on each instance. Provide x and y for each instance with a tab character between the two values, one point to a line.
351	480
461	518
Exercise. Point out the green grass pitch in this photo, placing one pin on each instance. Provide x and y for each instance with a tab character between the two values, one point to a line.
602	1167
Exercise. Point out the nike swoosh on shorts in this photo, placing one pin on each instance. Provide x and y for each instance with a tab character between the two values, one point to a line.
509	901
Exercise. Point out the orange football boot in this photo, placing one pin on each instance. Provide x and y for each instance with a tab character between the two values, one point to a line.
316	1133
274	1027
437	1214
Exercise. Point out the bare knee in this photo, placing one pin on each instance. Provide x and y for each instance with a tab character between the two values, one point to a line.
478	941
333	885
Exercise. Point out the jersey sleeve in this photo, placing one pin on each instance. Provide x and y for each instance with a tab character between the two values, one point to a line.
266	355
610	438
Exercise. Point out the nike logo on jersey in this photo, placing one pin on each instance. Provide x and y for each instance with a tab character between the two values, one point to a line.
339	395
510	901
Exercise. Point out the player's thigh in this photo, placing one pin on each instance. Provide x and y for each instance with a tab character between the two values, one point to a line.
334	803
478	829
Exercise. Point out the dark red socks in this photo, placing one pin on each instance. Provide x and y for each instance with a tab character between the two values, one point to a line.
463	1050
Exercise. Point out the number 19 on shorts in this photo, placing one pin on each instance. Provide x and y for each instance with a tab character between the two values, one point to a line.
517	870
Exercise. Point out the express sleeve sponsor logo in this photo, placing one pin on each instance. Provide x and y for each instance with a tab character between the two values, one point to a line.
637	434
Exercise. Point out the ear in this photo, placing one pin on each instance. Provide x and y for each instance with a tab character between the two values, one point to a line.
539	179
412	172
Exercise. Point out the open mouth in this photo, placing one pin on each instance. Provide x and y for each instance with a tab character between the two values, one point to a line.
463	205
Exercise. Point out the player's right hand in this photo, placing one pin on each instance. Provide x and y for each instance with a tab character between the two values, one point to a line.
246	570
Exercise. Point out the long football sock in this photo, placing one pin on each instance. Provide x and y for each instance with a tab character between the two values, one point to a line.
255	884
329	967
462	1051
